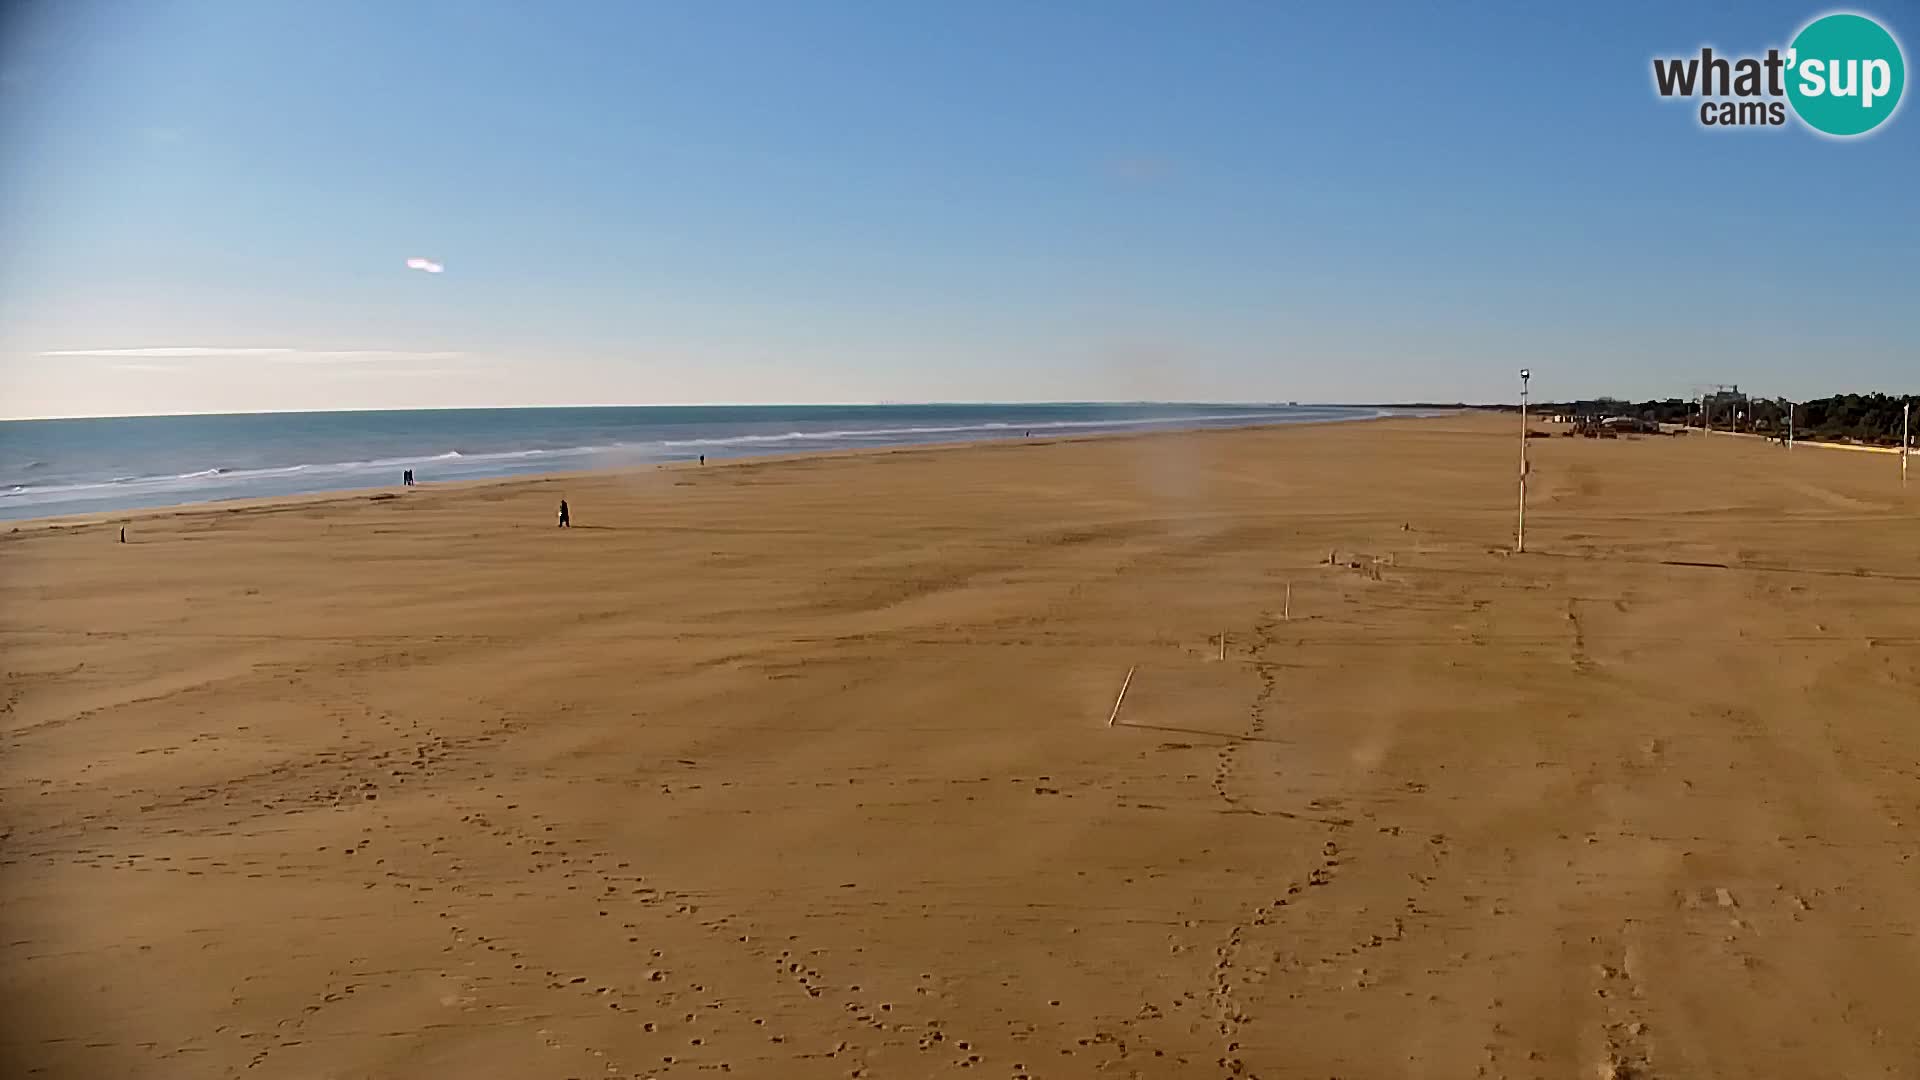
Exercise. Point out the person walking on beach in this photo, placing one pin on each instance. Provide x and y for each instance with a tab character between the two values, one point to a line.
565	522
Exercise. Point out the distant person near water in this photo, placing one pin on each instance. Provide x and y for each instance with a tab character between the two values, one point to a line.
565	521
406	478
703	459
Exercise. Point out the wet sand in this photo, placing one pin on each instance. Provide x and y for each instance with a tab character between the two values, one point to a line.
800	769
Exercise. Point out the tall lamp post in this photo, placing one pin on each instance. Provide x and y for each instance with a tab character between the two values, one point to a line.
1520	532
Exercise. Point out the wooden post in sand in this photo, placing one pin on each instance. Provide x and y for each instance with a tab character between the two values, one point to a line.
1223	644
1115	715
1520	530
1286	610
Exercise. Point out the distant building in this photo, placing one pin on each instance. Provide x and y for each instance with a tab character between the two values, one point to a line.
1724	401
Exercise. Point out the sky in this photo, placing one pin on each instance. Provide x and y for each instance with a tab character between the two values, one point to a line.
210	206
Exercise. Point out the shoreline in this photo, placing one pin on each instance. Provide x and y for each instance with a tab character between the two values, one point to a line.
274	503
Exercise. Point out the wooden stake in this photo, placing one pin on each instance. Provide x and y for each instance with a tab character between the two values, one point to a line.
1286	613
1123	696
1223	644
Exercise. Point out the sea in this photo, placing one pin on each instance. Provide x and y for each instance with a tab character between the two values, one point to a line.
53	467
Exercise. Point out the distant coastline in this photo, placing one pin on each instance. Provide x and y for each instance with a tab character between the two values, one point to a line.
56	468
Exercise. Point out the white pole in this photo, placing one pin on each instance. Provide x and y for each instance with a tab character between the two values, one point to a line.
1111	717
1520	531
1906	407
1789	425
1286	613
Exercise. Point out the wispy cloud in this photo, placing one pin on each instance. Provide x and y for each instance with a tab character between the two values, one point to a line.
427	265
162	351
357	356
273	354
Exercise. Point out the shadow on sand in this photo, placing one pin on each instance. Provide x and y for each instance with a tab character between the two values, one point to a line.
1230	737
1752	568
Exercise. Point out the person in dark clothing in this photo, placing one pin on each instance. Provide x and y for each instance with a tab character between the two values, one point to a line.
703	459
565	522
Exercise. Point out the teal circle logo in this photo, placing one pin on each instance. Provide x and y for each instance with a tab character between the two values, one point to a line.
1845	74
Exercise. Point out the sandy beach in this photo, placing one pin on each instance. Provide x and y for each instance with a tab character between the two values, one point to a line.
800	768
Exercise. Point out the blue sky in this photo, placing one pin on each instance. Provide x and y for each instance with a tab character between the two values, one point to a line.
804	202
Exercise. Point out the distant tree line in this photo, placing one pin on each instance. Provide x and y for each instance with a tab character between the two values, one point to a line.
1873	419
1867	418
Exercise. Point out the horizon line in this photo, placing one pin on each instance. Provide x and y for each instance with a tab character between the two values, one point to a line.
759	405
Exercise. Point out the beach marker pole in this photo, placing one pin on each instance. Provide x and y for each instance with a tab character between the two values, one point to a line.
1115	715
1223	644
1789	425
1520	532
1286	612
1906	407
